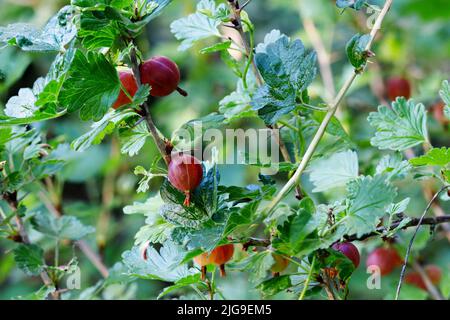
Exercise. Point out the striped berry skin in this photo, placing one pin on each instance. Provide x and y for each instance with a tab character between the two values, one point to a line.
162	75
185	173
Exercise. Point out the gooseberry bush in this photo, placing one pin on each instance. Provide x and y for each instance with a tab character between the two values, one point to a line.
299	233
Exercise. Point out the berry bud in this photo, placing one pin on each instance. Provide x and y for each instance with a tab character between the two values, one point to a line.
129	83
162	75
185	173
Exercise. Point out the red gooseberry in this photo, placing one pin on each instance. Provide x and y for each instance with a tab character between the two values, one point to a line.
128	81
386	259
398	87
185	173
349	250
162	75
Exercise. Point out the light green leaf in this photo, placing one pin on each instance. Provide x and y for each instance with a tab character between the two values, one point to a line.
402	127
133	140
393	166
434	157
334	171
65	227
197	26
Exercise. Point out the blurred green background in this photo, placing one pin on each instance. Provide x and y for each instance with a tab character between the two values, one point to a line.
98	183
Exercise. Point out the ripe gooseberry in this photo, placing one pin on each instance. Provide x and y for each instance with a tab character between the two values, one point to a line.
162	75
349	250
221	255
433	272
438	113
128	81
384	258
185	173
279	265
398	87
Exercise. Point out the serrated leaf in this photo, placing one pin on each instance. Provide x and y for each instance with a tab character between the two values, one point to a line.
133	140
355	49
197	26
275	285
164	265
434	157
184	282
445	92
393	166
287	70
92	86
334	171
29	258
399	128
368	199
65	227
102	128
58	32
256	265
354	4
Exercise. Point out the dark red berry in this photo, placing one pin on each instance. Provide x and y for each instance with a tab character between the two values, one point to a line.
162	75
385	258
129	83
349	250
398	87
185	174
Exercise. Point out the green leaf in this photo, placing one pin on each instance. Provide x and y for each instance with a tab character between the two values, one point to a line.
92	86
236	105
102	128
133	140
434	157
184	282
164	265
287	70
354	4
393	166
356	50
256	265
298	235
368	199
399	128
65	227
197	26
337	260
334	171
275	285
29	258
445	92
217	47
58	32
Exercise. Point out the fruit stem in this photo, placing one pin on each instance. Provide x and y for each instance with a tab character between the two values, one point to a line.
187	200
203	277
222	270
182	92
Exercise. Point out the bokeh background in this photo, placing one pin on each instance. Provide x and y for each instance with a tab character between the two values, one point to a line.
97	184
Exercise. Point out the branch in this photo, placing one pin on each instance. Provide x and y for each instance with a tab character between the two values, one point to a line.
402	274
412	223
329	115
434	292
161	143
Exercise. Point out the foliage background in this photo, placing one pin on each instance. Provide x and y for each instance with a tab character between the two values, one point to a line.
98	183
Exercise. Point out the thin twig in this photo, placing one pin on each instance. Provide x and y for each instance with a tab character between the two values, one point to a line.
434	292
294	180
408	250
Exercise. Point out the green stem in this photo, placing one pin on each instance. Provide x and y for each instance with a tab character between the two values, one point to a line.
199	293
308	279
